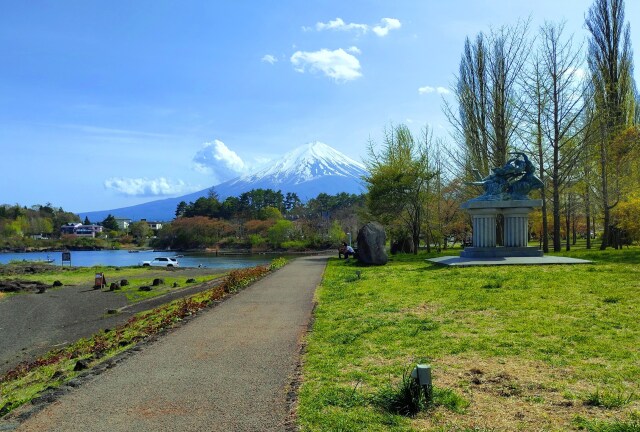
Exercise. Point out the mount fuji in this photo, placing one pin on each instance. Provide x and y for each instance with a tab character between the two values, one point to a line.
306	171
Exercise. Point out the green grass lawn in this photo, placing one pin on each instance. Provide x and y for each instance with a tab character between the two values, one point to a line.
514	347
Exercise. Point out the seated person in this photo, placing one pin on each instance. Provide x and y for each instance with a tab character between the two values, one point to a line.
342	249
346	250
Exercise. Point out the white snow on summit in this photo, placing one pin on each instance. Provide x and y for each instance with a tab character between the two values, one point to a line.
308	162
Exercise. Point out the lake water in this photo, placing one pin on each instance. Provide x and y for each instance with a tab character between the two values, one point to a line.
123	258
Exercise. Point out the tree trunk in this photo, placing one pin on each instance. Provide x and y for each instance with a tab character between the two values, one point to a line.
567	223
605	195
587	213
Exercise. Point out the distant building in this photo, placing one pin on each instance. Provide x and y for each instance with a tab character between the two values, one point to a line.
69	228
80	230
153	225
123	223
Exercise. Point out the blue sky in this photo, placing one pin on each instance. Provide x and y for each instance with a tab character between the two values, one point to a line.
110	104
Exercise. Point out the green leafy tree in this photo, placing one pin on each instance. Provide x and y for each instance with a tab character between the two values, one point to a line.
181	208
336	233
269	213
398	180
610	61
109	223
140	231
280	232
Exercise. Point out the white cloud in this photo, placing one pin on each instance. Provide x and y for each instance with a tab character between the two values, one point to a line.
217	159
355	50
146	187
268	58
382	29
429	89
386	25
337	64
575	73
339	24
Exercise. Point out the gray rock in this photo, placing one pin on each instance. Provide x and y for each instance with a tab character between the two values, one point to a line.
81	365
371	244
158	281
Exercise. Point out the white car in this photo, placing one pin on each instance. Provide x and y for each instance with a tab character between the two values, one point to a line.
161	262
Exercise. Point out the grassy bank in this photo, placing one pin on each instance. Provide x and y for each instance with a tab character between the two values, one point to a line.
84	277
512	348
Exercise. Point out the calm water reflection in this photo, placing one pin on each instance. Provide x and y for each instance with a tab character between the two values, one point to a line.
123	258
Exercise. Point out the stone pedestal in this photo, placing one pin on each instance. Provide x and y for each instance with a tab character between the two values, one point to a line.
484	227
516	228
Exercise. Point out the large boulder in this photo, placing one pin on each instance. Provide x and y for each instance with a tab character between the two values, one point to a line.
371	244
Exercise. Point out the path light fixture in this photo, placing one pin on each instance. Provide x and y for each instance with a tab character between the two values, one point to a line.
422	374
358	273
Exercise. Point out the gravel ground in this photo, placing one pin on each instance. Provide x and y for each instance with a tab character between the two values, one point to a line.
32	324
229	369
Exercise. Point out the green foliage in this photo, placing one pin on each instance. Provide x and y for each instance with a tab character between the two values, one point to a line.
407	399
110	223
449	399
140	231
630	425
336	234
626	215
277	263
294	245
257	240
269	213
280	232
398	181
609	399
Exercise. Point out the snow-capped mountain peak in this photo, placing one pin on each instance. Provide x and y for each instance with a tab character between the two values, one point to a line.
306	171
306	163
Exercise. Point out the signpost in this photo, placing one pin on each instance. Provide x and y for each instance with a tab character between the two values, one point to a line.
66	256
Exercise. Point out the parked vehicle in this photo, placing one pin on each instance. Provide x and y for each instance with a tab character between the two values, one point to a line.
161	262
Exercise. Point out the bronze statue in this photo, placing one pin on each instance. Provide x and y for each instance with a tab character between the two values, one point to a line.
513	181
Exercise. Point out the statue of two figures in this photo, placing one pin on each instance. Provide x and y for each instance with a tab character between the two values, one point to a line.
513	181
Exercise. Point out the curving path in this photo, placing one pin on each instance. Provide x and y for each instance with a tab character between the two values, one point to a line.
227	370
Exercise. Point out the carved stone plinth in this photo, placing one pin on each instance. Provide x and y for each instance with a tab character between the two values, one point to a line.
516	228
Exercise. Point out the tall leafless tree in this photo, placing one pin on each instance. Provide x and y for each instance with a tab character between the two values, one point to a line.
561	63
611	69
487	92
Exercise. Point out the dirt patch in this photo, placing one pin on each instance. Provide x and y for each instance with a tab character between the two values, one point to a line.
27	268
511	395
18	285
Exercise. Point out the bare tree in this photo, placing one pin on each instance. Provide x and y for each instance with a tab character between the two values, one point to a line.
561	120
534	89
610	65
489	109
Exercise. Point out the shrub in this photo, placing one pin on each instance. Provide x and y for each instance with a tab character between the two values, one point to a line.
296	245
630	425
407	399
608	399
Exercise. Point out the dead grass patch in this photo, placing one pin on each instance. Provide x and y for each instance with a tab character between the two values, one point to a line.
512	394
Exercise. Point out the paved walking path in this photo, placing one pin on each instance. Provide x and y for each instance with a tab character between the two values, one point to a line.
227	370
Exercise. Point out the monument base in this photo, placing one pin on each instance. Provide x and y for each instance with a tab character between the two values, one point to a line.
500	252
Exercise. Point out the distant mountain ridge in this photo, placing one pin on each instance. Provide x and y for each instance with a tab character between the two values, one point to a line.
307	171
